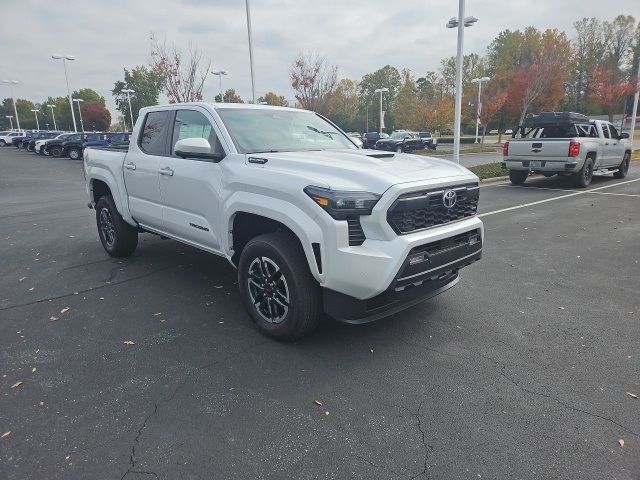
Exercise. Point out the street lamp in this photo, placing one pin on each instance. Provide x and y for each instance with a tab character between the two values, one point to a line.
11	83
253	81
64	58
55	127
35	112
10	117
634	110
460	23
128	91
79	100
479	109
220	73
381	91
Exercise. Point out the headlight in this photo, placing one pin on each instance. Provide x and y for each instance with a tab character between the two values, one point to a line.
341	205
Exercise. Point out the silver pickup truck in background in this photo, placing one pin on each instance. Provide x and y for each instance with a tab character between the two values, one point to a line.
568	144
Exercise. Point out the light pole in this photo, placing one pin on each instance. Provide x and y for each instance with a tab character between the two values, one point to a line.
634	111
253	81
79	100
128	91
55	127
64	58
10	117
35	112
479	109
381	91
15	110
460	23
220	73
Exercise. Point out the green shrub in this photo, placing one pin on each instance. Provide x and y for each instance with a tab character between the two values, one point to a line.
489	170
462	140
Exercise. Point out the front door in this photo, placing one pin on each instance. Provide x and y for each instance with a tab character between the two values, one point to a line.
617	147
190	188
141	166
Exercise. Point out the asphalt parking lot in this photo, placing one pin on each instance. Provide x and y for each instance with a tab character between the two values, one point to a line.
519	372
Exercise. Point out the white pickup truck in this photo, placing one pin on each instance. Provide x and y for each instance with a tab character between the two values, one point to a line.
566	143
311	222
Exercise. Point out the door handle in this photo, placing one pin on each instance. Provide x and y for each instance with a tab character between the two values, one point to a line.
166	171
606	143
130	166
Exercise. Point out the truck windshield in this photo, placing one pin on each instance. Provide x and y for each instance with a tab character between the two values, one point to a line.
272	130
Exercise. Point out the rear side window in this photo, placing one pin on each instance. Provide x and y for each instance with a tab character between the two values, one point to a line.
154	133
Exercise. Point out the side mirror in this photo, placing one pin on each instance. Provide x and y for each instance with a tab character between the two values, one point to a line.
198	148
624	135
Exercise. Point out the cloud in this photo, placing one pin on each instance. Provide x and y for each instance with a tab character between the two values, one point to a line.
358	36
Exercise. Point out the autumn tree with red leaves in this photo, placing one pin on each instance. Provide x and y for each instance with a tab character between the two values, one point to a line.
609	94
95	116
491	104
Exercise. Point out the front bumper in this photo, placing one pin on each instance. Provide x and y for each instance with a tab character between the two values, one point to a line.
426	271
569	164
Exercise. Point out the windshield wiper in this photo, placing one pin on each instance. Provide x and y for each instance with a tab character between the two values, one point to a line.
264	151
326	134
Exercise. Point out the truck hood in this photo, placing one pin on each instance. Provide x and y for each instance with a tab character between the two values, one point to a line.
361	170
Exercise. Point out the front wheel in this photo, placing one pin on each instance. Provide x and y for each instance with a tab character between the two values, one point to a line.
624	166
45	151
118	238
582	179
277	288
3	143
74	153
518	177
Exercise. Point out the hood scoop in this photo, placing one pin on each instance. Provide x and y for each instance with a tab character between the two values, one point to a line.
380	155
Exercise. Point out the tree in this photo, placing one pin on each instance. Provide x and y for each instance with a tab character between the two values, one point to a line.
183	74
473	66
230	96
95	116
147	85
588	48
609	94
385	77
618	37
346	103
314	81
271	98
492	103
409	110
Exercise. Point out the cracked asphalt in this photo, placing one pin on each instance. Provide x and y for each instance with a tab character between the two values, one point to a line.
519	372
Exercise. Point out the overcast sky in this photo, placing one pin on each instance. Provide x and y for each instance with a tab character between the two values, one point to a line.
358	36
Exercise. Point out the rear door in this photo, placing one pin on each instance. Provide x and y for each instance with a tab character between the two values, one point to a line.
141	166
190	188
616	147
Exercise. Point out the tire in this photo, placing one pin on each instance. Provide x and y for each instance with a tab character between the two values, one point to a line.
399	149
74	153
582	179
45	152
56	151
30	148
277	288
624	166
118	238
518	177
3	143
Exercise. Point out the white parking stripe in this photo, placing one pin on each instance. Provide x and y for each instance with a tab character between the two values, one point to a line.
611	193
552	199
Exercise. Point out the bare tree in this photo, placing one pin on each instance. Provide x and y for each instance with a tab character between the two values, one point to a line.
618	38
314	81
183	74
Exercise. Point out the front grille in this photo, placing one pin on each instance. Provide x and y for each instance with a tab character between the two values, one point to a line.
356	235
425	209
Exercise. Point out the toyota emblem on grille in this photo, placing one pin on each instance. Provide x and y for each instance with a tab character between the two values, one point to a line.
449	198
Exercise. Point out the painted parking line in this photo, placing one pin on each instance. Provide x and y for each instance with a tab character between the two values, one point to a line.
552	199
570	190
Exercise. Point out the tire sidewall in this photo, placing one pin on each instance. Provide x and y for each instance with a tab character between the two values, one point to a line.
257	248
56	152
71	152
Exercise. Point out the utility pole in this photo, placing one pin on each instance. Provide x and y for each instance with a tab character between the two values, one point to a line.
381	91
253	80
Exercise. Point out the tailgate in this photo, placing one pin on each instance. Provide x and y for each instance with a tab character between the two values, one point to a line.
543	148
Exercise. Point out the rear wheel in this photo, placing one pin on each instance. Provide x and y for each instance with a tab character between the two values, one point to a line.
45	151
399	149
118	238
583	178
624	166
3	143
277	288
74	153
518	177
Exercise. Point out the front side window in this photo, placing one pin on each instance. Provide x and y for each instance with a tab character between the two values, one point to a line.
193	124
605	130
614	131
154	133
256	130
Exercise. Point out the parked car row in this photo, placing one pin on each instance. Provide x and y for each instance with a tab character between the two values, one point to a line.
401	141
63	144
